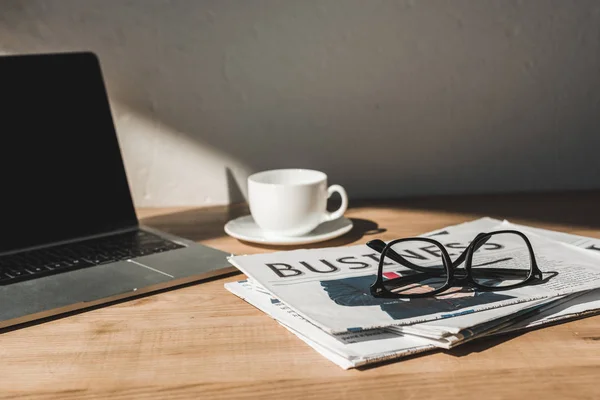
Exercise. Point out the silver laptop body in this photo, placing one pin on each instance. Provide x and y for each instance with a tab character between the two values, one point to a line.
70	238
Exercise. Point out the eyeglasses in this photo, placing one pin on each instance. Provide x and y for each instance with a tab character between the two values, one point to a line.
422	267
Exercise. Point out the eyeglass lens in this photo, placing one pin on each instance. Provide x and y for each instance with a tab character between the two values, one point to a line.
504	260
419	271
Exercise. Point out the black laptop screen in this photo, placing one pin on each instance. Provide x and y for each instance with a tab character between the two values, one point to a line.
62	175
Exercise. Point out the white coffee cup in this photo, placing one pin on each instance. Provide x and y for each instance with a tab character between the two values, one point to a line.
292	202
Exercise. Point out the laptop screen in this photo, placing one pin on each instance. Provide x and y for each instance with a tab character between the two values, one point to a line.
62	175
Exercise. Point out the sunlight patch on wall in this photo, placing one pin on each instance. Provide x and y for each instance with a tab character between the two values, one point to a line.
165	166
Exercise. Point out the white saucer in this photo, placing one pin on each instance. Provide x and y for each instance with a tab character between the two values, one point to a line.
244	228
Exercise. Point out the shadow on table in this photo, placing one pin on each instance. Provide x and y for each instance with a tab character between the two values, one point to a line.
208	223
483	344
197	224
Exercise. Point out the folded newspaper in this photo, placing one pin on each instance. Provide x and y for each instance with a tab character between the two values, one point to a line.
322	295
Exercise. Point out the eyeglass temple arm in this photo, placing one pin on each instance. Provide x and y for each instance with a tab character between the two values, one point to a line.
477	246
378	245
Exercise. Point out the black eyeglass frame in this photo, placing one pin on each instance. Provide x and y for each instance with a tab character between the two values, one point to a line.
379	290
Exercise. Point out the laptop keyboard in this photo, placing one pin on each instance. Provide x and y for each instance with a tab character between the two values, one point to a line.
52	260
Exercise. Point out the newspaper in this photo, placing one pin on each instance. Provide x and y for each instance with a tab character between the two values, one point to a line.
350	350
330	287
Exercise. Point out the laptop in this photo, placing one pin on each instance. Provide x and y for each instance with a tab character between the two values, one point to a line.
70	237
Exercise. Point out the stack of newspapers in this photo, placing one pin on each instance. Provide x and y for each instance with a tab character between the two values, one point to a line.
322	296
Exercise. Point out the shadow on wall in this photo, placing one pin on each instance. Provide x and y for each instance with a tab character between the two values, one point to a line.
389	98
234	191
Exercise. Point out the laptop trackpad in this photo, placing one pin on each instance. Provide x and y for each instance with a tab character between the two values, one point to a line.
123	277
75	287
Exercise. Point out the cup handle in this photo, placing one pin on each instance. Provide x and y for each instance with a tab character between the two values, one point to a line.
330	216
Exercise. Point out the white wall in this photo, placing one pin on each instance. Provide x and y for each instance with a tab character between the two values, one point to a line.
390	98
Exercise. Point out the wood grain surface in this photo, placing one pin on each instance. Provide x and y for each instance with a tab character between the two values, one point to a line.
200	341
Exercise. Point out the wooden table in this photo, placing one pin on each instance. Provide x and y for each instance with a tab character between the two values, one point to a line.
202	342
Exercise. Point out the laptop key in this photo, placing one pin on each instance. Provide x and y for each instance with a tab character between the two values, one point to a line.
36	269
5	277
61	264
15	272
